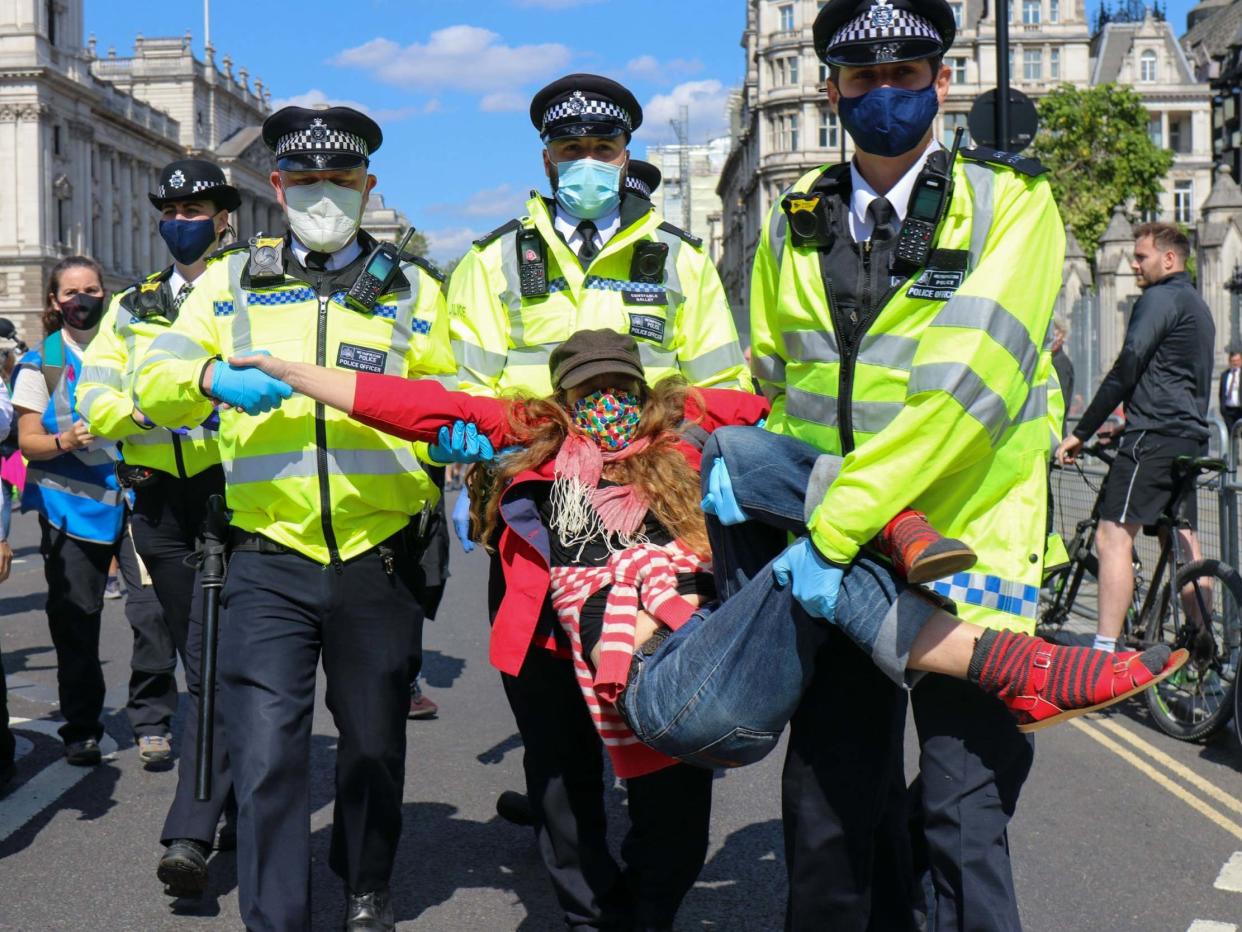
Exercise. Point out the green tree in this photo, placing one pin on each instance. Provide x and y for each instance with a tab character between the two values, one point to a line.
1094	142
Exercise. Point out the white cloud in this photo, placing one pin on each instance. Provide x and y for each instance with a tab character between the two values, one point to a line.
708	115
317	99
499	202
503	102
650	68
464	58
449	244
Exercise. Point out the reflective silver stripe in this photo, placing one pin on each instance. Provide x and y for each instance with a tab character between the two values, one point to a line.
778	228
241	314
812	346
888	350
972	312
967	388
172	345
512	295
74	487
702	368
980	178
768	368
155	437
771	392
869	417
301	464
536	354
60	397
654	358
451	382
1050	335
89	398
476	361
104	375
403	326
672	278
1035	408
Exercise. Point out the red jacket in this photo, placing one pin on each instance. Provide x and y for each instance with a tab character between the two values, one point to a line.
416	410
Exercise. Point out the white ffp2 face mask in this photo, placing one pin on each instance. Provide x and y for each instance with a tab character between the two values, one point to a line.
323	215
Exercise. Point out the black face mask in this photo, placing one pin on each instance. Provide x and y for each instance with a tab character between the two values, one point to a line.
83	311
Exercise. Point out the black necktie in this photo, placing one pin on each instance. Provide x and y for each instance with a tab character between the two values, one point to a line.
317	261
182	293
884	226
587	251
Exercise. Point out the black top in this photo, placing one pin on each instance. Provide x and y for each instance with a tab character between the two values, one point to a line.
1163	374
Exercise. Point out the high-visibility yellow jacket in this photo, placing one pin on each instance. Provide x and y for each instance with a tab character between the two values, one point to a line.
304	475
679	315
134	319
942	404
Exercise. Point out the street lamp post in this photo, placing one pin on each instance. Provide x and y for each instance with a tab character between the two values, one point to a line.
1234	287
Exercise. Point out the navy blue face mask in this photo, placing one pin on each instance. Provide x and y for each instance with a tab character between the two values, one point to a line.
889	121
188	239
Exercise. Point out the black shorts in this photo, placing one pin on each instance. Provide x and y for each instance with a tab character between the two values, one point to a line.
1141	483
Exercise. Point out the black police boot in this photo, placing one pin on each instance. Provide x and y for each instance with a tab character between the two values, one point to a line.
183	868
369	912
83	753
514	807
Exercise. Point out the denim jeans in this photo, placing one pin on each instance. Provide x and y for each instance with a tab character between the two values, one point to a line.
719	691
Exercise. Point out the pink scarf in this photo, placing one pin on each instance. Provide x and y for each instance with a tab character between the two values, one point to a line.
582	510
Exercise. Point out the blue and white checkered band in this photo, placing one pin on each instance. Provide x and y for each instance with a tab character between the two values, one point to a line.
197	186
634	184
883	22
586	109
318	137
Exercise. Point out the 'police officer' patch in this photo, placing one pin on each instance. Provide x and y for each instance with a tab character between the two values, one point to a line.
647	326
937	284
361	358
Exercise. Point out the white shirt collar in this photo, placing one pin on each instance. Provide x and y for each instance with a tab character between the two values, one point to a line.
606	228
338	260
899	195
175	281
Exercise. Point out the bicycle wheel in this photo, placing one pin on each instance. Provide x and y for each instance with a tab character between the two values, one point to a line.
1198	700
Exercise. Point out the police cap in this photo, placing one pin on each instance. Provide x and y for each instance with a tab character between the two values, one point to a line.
585	105
642	178
869	32
330	139
194	180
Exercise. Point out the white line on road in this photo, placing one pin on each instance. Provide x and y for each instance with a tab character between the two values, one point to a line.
1230	876
1209	925
44	788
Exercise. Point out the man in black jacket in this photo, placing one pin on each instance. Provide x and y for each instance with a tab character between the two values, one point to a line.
1163	376
1231	390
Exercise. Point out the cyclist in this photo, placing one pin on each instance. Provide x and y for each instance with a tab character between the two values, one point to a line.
1163	377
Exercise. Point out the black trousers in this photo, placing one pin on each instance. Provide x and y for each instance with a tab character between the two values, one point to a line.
166	524
153	662
280	613
8	744
563	758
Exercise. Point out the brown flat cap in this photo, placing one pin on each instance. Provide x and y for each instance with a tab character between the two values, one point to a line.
589	353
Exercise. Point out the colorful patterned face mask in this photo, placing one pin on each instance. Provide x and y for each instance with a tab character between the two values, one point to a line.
609	417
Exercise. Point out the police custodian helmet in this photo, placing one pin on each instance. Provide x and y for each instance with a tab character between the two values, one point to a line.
585	105
871	32
331	139
642	178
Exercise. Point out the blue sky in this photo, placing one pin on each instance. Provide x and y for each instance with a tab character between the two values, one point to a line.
450	80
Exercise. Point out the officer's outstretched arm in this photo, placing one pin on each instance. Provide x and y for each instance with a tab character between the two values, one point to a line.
103	401
478	322
708	352
976	375
767	349
166	381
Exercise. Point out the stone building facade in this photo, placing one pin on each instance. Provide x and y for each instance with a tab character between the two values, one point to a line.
704	162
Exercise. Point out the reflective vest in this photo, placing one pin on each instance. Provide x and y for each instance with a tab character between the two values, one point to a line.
77	491
134	319
675	309
304	475
942	401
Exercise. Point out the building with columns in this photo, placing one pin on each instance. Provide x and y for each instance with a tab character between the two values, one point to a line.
82	139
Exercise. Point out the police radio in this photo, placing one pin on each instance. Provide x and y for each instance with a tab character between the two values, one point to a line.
532	264
380	269
932	190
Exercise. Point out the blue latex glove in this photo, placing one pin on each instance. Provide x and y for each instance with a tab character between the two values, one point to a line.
816	581
252	390
462	444
720	500
461	521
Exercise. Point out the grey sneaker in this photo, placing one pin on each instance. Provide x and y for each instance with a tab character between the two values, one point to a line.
113	589
154	749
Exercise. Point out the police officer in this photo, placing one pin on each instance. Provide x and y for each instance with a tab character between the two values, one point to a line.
592	256
172	473
642	178
323	560
915	339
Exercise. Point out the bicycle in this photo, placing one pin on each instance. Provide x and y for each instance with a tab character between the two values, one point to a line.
1199	699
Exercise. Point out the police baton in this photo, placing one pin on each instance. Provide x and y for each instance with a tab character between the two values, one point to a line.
215	537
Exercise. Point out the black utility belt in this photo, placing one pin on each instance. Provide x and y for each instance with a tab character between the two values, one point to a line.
252	542
139	477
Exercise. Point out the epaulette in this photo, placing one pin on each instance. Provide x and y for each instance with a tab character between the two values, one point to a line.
690	238
227	250
1019	163
425	264
497	233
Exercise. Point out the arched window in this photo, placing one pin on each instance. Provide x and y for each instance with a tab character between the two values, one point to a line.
1147	67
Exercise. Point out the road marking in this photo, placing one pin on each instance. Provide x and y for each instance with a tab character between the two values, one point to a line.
1204	786
1230	876
1145	768
1210	925
45	787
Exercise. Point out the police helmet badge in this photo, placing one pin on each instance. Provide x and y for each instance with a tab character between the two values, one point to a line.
577	103
318	130
176	180
881	14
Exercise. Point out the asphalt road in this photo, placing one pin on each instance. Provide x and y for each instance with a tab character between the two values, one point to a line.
1120	828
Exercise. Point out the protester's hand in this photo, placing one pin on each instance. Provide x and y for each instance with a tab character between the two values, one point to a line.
720	500
76	437
249	388
816	581
461	520
462	444
1068	450
6	560
264	361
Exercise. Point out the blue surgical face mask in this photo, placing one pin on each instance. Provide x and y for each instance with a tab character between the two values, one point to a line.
889	121
188	240
588	189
